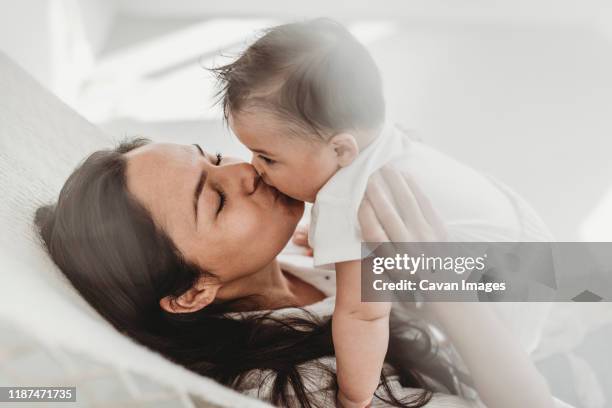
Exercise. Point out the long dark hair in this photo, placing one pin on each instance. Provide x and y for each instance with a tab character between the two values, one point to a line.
107	245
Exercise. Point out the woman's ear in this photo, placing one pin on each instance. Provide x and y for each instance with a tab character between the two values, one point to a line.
346	148
197	297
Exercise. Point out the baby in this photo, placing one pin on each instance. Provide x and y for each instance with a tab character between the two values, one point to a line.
306	99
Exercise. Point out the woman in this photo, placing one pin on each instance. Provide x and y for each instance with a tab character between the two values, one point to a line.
173	245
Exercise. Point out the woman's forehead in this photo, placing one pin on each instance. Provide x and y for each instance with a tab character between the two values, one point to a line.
159	175
167	151
151	166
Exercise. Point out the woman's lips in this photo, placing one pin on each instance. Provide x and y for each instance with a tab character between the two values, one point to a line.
267	189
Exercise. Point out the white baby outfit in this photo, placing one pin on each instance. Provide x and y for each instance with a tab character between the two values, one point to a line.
472	206
334	228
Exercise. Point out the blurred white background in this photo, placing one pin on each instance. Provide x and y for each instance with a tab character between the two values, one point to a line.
519	89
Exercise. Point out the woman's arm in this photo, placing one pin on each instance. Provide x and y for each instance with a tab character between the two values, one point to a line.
503	374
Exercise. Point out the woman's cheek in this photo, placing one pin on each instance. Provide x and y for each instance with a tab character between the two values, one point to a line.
246	222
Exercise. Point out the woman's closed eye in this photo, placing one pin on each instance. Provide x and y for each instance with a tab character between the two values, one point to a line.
203	180
217	187
222	198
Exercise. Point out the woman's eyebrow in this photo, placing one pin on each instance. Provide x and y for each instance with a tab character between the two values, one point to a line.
200	149
198	188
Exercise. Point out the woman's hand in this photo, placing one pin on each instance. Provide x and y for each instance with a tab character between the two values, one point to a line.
395	209
300	238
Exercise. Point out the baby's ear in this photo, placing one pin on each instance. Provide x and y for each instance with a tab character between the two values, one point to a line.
346	148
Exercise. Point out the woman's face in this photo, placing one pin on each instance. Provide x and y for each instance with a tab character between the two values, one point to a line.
220	215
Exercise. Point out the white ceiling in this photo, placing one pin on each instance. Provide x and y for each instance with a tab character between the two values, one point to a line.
553	11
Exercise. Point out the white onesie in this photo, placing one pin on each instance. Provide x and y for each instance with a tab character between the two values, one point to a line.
473	207
334	231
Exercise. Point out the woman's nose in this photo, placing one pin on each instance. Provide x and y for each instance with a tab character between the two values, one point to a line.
238	177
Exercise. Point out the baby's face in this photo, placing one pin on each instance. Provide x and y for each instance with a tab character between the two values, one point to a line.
298	167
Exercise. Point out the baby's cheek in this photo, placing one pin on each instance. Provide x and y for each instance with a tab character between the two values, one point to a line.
275	182
290	183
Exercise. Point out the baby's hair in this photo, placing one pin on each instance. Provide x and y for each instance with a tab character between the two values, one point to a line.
314	75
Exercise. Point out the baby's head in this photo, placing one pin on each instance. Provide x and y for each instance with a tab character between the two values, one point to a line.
304	98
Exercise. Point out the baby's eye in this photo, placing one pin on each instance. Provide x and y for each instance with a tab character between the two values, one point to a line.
266	159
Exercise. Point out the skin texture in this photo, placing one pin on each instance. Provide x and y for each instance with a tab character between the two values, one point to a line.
296	165
238	244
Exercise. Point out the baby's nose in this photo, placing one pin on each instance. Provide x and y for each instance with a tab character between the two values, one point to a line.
256	165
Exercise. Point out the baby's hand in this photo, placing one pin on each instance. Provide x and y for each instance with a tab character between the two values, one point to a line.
343	402
300	238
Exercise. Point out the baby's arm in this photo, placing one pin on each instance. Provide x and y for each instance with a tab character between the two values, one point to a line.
360	334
